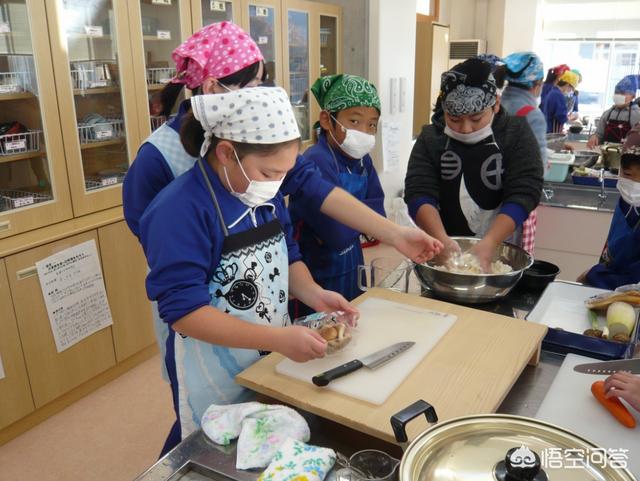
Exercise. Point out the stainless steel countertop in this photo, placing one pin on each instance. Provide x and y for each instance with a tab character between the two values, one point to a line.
197	458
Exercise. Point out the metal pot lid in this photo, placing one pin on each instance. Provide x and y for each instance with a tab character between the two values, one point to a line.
505	448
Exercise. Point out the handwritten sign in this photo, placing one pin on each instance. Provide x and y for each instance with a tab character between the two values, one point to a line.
262	12
104	134
161	2
9	88
390	146
74	294
23	201
164	35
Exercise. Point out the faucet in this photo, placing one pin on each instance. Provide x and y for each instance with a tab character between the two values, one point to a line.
603	194
548	193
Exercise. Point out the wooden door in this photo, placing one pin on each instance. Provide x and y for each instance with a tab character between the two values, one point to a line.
52	373
15	393
125	270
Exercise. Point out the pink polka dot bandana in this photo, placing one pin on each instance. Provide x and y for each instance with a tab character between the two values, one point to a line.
217	50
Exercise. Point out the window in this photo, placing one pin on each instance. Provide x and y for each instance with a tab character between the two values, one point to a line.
602	64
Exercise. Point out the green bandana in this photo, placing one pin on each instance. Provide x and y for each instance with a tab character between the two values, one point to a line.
335	93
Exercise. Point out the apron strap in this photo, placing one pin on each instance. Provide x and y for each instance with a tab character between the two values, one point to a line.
213	196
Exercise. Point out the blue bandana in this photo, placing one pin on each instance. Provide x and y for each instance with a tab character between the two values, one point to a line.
628	84
524	68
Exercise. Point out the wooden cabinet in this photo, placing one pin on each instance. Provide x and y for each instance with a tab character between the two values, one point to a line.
313	35
52	373
432	58
157	27
95	85
125	269
15	394
34	190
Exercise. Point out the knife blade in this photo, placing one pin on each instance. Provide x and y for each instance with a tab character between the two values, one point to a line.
372	361
609	367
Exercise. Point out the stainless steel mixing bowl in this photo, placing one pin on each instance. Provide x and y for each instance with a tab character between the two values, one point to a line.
475	289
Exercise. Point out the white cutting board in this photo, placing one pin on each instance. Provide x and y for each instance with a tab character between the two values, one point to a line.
562	306
381	324
570	404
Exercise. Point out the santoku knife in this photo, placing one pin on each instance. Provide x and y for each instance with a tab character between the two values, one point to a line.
372	361
609	367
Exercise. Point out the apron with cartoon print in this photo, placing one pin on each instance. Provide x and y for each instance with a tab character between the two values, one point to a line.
250	283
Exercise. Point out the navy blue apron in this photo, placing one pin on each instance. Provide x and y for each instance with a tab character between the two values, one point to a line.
334	270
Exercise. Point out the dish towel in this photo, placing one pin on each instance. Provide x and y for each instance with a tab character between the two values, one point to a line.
261	430
297	461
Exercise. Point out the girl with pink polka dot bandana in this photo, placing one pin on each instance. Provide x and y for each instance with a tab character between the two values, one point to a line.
217	50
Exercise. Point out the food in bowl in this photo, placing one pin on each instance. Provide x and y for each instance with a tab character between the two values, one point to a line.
469	264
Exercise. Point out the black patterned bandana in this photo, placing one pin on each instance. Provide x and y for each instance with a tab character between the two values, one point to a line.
468	88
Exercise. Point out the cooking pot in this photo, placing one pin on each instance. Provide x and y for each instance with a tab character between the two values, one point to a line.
499	447
611	154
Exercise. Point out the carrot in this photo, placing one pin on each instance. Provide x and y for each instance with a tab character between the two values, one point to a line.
613	405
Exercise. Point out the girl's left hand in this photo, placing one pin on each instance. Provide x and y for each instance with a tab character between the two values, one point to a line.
329	301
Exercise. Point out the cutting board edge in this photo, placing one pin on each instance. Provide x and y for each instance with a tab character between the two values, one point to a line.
318	411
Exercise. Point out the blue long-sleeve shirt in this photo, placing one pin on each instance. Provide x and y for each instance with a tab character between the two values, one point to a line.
150	173
555	110
333	233
182	238
513	100
621	263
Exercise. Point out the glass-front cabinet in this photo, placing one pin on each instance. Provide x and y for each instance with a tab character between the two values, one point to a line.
312	51
33	180
157	28
206	12
94	75
264	26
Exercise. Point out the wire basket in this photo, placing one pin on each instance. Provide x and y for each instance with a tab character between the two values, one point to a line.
15	199
157	121
11	144
99	182
157	76
11	82
100	132
91	75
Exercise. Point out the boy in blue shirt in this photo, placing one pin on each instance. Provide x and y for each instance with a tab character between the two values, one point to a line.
620	262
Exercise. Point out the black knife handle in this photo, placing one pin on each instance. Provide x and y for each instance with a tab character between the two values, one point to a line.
332	374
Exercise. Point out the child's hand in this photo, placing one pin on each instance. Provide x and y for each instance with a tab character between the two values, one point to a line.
416	244
300	343
624	385
329	301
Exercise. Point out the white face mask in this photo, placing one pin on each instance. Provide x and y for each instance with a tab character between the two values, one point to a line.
619	100
471	138
356	144
258	192
629	191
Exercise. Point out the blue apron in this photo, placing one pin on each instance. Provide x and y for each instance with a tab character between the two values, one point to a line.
167	141
251	283
334	270
621	248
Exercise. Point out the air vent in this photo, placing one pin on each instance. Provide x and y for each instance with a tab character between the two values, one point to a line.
462	49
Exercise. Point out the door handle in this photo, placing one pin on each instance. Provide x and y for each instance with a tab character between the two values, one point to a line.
26	273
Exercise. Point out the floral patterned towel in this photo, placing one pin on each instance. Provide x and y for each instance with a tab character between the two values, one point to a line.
261	430
297	461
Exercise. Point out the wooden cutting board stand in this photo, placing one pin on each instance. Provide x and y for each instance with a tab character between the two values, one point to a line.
470	371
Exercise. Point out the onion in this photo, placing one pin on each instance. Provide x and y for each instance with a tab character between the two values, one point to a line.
621	319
